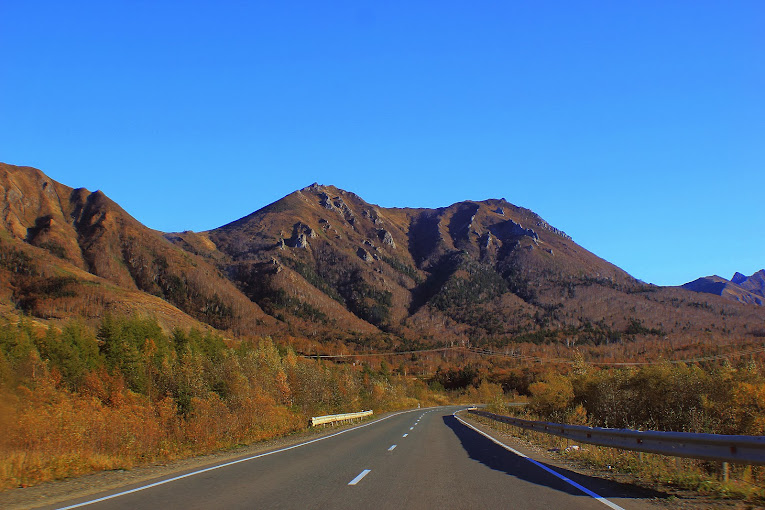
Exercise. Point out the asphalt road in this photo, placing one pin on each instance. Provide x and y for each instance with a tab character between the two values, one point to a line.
417	459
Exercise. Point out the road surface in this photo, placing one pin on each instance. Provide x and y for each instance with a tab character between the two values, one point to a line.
425	458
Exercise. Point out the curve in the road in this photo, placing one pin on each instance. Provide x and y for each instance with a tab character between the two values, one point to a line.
431	459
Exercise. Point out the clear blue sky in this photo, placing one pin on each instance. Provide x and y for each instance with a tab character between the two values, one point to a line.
636	127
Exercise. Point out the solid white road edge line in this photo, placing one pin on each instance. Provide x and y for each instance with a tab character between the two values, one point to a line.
359	477
392	448
193	473
538	464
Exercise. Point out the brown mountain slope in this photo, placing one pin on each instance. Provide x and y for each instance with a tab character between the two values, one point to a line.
482	271
51	289
307	260
89	232
323	263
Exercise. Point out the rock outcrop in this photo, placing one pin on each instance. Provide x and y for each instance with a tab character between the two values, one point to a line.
546	226
386	238
364	255
510	230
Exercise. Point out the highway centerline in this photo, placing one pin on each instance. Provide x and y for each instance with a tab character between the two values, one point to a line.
359	477
392	448
405	435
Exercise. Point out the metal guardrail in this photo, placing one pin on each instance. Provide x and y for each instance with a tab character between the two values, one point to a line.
332	418
716	447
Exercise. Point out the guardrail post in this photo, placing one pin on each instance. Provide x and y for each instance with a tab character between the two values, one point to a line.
725	471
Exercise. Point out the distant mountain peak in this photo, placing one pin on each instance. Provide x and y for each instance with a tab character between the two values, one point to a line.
740	288
739	278
754	284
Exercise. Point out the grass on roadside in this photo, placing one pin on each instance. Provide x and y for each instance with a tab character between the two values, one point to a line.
745	482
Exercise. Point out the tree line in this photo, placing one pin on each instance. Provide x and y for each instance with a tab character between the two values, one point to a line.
82	398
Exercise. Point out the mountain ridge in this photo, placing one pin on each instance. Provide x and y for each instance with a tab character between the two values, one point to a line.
74	227
740	288
323	264
754	283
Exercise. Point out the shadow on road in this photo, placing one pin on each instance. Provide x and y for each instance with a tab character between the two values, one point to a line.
483	450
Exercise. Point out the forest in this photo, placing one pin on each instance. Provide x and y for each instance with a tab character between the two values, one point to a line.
125	392
722	398
79	399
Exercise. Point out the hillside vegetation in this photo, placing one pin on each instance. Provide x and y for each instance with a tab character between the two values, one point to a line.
80	399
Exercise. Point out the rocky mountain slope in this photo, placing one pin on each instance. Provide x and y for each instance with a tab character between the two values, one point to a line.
67	251
486	272
323	264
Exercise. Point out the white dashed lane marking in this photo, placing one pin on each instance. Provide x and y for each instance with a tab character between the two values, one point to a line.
359	477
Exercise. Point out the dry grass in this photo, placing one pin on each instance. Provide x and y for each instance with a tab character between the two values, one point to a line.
51	433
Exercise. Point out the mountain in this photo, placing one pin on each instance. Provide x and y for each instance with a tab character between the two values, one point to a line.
476	271
740	289
721	287
66	251
410	272
754	283
322	264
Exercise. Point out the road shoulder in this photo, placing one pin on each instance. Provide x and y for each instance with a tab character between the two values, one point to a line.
638	494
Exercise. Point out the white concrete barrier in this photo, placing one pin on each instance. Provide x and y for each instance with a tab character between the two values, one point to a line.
333	418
